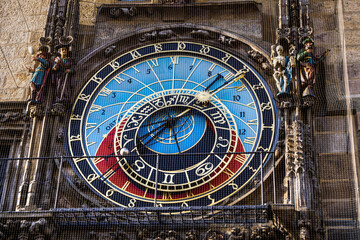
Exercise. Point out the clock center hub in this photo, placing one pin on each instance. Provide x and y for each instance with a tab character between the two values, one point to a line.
170	133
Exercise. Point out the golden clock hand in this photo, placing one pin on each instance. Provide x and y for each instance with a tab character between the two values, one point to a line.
182	113
205	96
225	84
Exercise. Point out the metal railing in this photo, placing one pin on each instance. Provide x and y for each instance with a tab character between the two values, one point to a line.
199	215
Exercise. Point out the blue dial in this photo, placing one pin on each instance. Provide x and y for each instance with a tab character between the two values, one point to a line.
179	108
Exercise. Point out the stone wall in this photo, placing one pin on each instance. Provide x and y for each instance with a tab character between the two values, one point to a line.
22	24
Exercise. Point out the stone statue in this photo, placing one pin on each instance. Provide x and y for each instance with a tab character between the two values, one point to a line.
40	72
239	233
62	71
282	69
309	66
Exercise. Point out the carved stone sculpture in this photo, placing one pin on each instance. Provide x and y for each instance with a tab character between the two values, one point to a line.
200	34
309	66
282	69
117	12
258	57
226	40
214	235
109	51
191	235
239	233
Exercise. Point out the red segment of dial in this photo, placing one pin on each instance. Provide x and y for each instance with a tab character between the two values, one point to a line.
235	164
121	180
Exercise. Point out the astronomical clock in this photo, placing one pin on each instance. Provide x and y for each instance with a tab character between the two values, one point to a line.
172	123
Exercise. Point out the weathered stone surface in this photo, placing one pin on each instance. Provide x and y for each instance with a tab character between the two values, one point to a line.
335	166
332	142
352	37
87	13
321	6
324	23
337	189
351	20
13	24
342	233
354	85
330	124
351	6
339	209
22	24
353	53
15	94
328	39
354	70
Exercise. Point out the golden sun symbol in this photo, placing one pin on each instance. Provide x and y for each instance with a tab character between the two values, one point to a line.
203	97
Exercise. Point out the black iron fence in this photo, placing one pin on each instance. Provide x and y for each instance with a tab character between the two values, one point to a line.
58	187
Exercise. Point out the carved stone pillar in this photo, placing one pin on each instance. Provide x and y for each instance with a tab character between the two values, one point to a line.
38	139
36	112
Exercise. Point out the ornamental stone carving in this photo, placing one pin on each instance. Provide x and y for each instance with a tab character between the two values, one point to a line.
166	235
239	233
200	34
58	109
258	57
109	51
214	235
13	116
36	111
127	12
24	229
226	40
164	34
191	235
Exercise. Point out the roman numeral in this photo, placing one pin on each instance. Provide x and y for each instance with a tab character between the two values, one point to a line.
249	140
174	60
95	108
168	178
109	174
136	70
90	125
228	76
167	195
211	68
228	172
240	158
98	160
253	122
125	185
189	193
154	62
118	79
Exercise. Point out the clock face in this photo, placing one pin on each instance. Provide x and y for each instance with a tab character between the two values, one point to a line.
164	122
